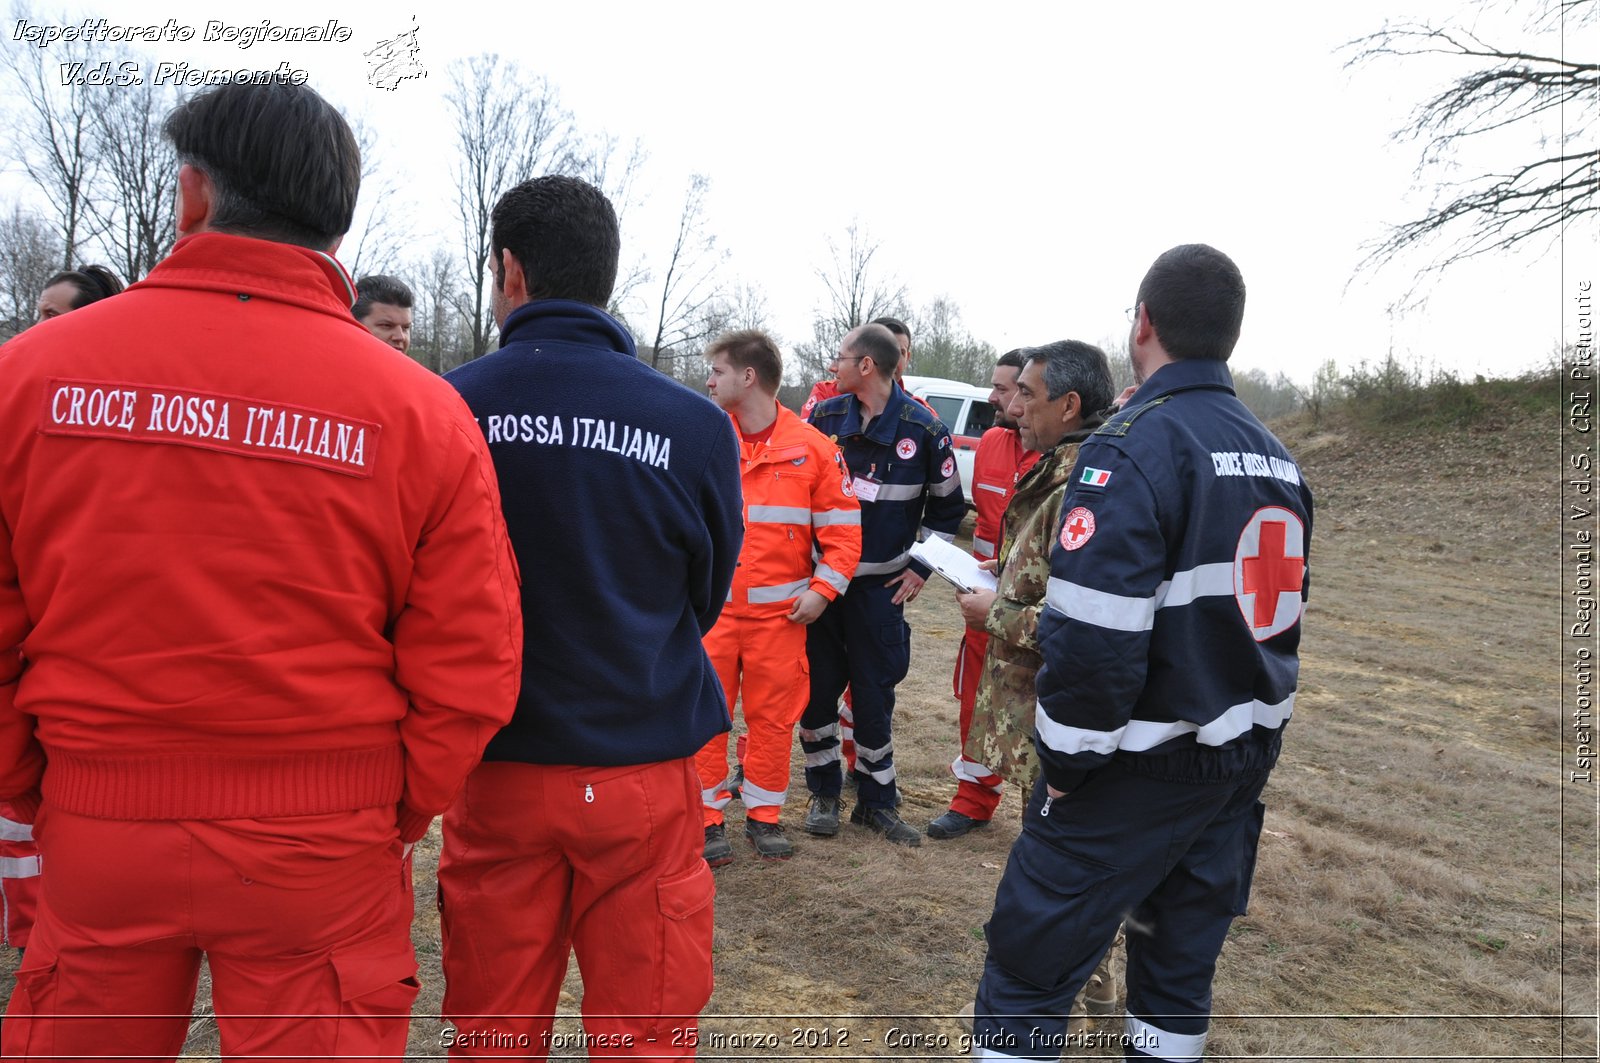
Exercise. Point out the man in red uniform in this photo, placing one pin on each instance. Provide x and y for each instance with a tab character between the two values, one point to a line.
999	463
796	494
258	617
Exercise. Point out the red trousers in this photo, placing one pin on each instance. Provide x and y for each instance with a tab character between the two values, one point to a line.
540	860
763	662
978	789
131	905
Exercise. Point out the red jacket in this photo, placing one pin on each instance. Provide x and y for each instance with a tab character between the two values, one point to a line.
796	491
997	466
252	556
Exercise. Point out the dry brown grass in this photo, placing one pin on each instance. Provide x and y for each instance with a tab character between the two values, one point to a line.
1418	893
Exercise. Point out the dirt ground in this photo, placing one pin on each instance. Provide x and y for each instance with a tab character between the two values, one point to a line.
1427	880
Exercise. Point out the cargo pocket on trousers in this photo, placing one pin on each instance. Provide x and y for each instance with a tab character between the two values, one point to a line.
896	639
28	1028
686	907
1048	906
377	986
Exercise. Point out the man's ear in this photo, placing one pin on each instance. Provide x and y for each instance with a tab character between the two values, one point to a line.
194	200
511	280
1071	407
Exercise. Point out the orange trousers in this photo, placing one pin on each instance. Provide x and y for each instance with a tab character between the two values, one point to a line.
541	860
764	663
130	907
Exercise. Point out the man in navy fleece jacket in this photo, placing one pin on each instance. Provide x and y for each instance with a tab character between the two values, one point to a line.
581	828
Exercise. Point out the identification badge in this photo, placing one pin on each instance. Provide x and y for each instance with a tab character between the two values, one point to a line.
866	490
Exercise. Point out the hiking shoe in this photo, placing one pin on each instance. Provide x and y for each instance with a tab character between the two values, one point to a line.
822	816
887	822
718	851
954	824
768	839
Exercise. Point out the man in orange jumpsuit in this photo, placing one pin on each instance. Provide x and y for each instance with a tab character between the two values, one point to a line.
999	463
796	493
258	618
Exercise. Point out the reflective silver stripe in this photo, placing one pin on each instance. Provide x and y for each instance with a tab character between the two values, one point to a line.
978	774
863	753
1199	582
926	532
882	775
1115	611
982	547
991	487
900	492
826	574
823	518
945	487
1237	720
847	715
779	515
756	797
1064	739
826	756
1164	1044
819	734
881	568
12	831
781	593
19	866
709	797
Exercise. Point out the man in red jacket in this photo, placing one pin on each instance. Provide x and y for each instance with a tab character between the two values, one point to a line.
258	618
999	463
796	494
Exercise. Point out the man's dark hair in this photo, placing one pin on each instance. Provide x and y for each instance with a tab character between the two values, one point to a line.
563	232
1072	365
876	342
283	163
379	288
894	325
1014	359
751	349
1194	296
92	283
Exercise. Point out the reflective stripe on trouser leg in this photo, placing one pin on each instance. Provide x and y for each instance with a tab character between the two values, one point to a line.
847	731
723	644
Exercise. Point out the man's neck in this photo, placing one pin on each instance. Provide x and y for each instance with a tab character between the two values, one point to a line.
873	398
756	412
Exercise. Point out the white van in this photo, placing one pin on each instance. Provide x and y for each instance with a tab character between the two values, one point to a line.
965	411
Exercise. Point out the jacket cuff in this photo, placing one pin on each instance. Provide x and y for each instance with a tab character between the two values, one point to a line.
413	825
920	569
26	805
824	588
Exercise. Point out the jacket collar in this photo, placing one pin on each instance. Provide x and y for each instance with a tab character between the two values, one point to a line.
566	321
786	441
1182	376
884	426
243	265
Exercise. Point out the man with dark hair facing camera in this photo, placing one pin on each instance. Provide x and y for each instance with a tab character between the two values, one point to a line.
258	618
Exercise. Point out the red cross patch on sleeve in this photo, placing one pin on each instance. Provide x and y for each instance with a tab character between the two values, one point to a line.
1269	570
1077	528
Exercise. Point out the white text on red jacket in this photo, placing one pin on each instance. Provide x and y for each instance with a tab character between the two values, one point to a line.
229	424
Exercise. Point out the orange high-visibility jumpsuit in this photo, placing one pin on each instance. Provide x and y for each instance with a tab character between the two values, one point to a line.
802	532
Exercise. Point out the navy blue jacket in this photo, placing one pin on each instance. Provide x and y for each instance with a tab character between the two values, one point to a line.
1177	583
621	494
907	450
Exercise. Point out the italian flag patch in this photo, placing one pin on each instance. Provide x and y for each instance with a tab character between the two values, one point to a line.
1095	477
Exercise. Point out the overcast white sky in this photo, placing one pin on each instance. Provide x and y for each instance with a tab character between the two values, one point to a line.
1028	162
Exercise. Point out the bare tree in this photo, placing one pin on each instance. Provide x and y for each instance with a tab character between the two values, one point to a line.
381	220
856	292
944	347
29	253
133	198
509	127
1550	100
53	133
687	313
614	167
439	336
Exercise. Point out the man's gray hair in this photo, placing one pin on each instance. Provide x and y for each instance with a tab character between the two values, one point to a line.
1072	365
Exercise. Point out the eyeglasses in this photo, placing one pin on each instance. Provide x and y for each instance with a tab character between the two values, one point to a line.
1133	313
841	359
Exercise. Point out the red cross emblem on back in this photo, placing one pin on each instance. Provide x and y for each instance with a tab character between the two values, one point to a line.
1269	571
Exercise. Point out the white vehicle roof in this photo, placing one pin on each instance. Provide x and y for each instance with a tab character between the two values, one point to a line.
924	385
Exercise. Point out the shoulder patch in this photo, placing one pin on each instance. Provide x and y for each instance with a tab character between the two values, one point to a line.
906	449
1077	528
1269	567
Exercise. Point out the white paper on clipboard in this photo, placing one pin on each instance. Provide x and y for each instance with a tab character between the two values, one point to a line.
954	564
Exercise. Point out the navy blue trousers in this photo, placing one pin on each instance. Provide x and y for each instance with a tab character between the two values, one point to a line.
862	641
1174	859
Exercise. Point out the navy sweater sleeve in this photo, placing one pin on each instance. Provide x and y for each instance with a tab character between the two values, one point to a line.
722	502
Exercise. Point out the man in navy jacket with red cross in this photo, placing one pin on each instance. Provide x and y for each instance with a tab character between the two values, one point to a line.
1171	655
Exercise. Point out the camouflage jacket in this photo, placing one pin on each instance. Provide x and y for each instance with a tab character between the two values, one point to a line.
1001	736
